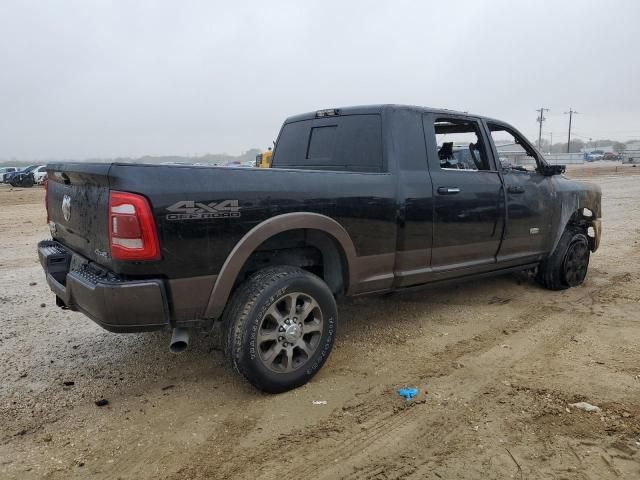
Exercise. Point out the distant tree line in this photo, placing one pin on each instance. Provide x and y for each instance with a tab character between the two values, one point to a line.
207	159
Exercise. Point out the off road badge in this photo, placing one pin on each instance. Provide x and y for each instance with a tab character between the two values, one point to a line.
192	210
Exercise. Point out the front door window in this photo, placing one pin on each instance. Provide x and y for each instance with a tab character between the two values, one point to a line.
460	146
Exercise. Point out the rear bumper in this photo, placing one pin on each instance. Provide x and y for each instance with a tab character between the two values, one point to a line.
114	303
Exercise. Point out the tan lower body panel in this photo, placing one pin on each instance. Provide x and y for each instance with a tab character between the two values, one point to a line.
188	297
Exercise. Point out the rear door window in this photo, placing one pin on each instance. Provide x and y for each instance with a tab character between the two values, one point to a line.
352	143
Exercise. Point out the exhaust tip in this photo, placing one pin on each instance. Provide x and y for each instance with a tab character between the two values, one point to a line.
178	347
179	340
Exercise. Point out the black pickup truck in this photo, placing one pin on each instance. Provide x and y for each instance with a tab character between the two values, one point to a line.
359	200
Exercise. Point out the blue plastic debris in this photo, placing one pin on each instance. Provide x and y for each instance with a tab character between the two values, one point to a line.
407	393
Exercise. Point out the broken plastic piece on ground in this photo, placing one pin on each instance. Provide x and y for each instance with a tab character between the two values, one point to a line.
407	393
587	407
319	402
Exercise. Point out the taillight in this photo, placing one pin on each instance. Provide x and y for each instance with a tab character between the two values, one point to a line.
132	231
46	198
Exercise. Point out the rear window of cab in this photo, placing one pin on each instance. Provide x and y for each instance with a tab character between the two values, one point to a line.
349	143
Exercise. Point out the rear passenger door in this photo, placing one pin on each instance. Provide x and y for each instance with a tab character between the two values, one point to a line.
467	193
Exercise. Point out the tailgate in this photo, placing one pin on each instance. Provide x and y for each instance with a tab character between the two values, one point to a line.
78	199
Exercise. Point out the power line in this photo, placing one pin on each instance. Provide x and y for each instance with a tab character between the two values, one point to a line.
599	136
619	131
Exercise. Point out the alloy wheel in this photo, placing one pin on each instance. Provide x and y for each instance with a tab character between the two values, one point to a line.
289	333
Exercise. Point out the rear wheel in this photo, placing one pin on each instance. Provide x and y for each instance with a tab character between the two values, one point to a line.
280	328
567	265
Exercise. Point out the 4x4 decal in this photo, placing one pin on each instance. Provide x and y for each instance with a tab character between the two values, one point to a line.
190	210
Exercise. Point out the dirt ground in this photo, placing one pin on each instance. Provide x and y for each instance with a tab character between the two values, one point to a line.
497	363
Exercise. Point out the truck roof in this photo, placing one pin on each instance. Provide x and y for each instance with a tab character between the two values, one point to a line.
376	109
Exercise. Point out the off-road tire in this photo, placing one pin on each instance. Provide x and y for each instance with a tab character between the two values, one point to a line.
567	266
243	320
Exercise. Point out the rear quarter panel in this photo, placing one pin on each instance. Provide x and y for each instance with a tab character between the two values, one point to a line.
363	203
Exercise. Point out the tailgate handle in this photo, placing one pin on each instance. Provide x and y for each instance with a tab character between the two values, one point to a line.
448	190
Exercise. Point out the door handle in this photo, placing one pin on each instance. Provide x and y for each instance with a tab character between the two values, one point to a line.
515	189
448	190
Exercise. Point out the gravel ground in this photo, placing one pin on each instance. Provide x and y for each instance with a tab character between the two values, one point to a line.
497	362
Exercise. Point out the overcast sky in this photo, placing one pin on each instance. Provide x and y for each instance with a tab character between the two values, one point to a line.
83	79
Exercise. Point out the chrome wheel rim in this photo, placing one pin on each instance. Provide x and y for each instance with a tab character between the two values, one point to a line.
289	332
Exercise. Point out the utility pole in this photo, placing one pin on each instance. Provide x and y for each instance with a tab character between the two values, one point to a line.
541	119
571	113
551	147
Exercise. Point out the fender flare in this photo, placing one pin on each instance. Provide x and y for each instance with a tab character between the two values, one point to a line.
262	232
573	203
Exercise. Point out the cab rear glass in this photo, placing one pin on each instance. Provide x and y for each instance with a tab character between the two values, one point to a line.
350	143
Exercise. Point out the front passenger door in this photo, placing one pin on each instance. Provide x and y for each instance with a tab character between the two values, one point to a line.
529	196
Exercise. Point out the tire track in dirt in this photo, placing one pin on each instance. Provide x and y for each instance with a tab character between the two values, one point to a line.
470	391
444	362
413	425
376	423
225	442
361	433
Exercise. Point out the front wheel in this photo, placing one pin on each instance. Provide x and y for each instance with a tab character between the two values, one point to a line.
280	328
567	265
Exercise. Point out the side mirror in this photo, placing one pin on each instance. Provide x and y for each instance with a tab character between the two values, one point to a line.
549	170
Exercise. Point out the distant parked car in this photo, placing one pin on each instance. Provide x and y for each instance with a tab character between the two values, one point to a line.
612	156
593	156
7	176
5	171
21	178
40	174
238	163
